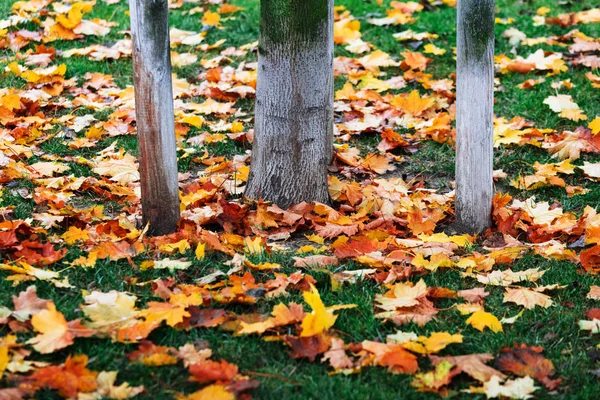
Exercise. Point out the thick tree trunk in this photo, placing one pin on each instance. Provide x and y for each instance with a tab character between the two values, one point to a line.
474	114
293	139
154	114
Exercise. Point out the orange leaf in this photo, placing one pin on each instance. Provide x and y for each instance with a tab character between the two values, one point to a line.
69	379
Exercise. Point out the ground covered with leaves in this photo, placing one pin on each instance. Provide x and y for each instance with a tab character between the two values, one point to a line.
370	296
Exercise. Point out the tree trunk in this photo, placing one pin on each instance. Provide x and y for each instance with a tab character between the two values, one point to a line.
154	114
293	138
474	114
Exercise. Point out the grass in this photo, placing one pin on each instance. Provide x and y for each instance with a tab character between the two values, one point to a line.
282	377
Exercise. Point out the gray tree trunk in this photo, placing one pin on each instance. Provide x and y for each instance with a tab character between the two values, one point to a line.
154	114
474	114
293	139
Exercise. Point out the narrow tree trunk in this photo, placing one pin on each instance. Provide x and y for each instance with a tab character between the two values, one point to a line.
293	139
474	114
154	114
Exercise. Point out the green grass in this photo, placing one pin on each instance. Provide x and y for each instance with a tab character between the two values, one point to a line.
281	376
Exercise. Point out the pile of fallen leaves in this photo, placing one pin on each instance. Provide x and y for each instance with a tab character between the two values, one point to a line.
392	227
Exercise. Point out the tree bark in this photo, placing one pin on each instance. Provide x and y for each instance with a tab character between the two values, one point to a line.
154	114
474	114
293	138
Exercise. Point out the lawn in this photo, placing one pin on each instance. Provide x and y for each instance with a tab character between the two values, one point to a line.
71	211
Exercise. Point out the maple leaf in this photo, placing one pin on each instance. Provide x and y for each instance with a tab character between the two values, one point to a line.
475	295
414	61
74	234
48	168
591	170
520	388
25	272
74	16
172	314
436	342
482	319
337	357
69	379
508	277
413	104
524	360
152	355
172	265
433	381
308	347
540	212
593	326
27	304
211	18
330	230
594	293
403	295
190	355
594	125
346	30
315	261
527	298
106	388
55	332
398	360
213	371
254	246
472	364
430	48
109	311
211	392
321	318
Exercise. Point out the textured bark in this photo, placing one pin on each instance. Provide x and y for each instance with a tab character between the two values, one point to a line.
154	114
474	114
293	138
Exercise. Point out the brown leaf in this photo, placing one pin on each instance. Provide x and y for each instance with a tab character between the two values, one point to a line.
308	347
472	364
527	360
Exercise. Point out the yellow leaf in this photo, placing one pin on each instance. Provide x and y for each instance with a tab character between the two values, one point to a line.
594	125
237	127
320	319
194	120
263	266
211	18
200	251
413	104
182	246
433	49
315	238
254	246
482	319
74	16
4	359
74	234
436	342
53	328
173	314
212	392
543	11
109	311
10	101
